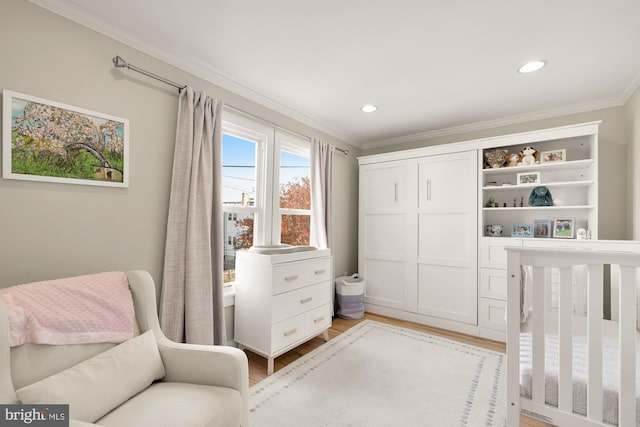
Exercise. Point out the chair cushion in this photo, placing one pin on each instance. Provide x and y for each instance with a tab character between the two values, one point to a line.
94	387
178	404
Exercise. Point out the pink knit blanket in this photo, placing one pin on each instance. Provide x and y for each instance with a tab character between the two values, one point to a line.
75	310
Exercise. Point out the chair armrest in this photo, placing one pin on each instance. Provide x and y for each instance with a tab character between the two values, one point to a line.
221	366
204	364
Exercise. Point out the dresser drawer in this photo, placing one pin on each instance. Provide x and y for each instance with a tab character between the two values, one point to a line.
492	313
301	300
493	283
318	320
287	277
492	252
319	271
287	332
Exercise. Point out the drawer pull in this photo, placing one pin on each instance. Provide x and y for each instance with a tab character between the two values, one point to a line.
318	320
306	300
290	332
318	272
290	278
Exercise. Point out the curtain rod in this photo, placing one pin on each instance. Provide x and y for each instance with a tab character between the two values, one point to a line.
119	62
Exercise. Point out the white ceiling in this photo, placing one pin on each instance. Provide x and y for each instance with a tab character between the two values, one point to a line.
431	66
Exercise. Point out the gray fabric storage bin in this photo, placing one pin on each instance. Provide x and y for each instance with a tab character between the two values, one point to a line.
350	296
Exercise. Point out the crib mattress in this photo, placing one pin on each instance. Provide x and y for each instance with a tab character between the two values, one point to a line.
609	358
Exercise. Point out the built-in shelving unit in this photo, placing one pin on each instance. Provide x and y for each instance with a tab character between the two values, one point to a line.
573	184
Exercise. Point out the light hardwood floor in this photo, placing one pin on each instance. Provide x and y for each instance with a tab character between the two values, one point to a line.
258	364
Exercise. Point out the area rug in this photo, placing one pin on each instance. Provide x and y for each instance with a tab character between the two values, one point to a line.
376	374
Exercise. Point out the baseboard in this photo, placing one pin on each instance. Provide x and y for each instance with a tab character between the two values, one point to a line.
423	319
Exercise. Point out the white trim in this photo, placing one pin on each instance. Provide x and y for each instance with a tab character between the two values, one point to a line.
579	129
490	124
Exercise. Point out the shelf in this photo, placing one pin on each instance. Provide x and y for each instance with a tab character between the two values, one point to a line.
543	184
572	164
544	208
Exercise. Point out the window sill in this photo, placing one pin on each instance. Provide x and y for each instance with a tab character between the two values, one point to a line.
229	293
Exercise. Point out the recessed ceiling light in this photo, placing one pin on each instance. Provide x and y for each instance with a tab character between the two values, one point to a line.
369	108
532	66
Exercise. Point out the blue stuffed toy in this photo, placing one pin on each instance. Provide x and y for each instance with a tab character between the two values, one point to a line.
540	196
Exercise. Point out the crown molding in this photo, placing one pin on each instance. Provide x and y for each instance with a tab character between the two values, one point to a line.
506	121
631	88
86	18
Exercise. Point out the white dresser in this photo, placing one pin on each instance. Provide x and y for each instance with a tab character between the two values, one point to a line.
282	300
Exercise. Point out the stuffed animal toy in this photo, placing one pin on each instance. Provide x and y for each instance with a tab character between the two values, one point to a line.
528	155
496	158
513	159
540	196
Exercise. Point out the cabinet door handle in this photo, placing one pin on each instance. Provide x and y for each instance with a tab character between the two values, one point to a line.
428	189
395	194
290	332
318	320
290	278
306	300
318	272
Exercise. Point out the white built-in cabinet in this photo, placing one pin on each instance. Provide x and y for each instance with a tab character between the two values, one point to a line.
418	239
422	248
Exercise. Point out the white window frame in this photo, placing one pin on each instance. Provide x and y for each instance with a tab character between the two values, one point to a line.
263	137
285	141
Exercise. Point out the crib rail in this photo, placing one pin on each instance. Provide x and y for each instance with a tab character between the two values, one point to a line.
624	266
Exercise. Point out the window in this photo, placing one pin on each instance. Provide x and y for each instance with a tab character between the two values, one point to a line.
265	187
294	199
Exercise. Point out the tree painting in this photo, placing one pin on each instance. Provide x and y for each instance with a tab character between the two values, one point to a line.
51	141
294	229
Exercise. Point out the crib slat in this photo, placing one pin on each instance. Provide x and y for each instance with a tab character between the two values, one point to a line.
627	339
594	342
537	336
565	336
513	339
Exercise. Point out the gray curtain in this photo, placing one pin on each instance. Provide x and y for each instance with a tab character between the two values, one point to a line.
192	306
321	193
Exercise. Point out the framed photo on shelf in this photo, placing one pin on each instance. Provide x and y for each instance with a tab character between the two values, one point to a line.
525	178
521	230
564	228
542	228
553	156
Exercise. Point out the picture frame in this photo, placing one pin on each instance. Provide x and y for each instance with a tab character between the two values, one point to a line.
553	156
528	178
564	228
522	230
542	228
48	141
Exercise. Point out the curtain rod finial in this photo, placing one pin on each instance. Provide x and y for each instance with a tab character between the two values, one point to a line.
119	62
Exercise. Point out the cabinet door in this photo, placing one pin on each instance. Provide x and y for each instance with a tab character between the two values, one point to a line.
447	237
387	241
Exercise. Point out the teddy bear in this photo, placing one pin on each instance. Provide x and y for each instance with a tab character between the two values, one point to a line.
496	158
528	155
513	159
540	196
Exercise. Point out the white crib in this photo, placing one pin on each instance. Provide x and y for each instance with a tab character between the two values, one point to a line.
564	363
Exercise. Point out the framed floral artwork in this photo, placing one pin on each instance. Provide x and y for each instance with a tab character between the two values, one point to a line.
48	141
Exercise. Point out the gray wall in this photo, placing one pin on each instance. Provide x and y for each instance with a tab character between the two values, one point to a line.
55	230
612	165
632	126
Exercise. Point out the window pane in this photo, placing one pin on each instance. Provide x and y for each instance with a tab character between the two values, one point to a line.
294	229
295	185
238	234
238	171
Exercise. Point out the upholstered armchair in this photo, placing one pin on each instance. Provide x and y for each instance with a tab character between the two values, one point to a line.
144	381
